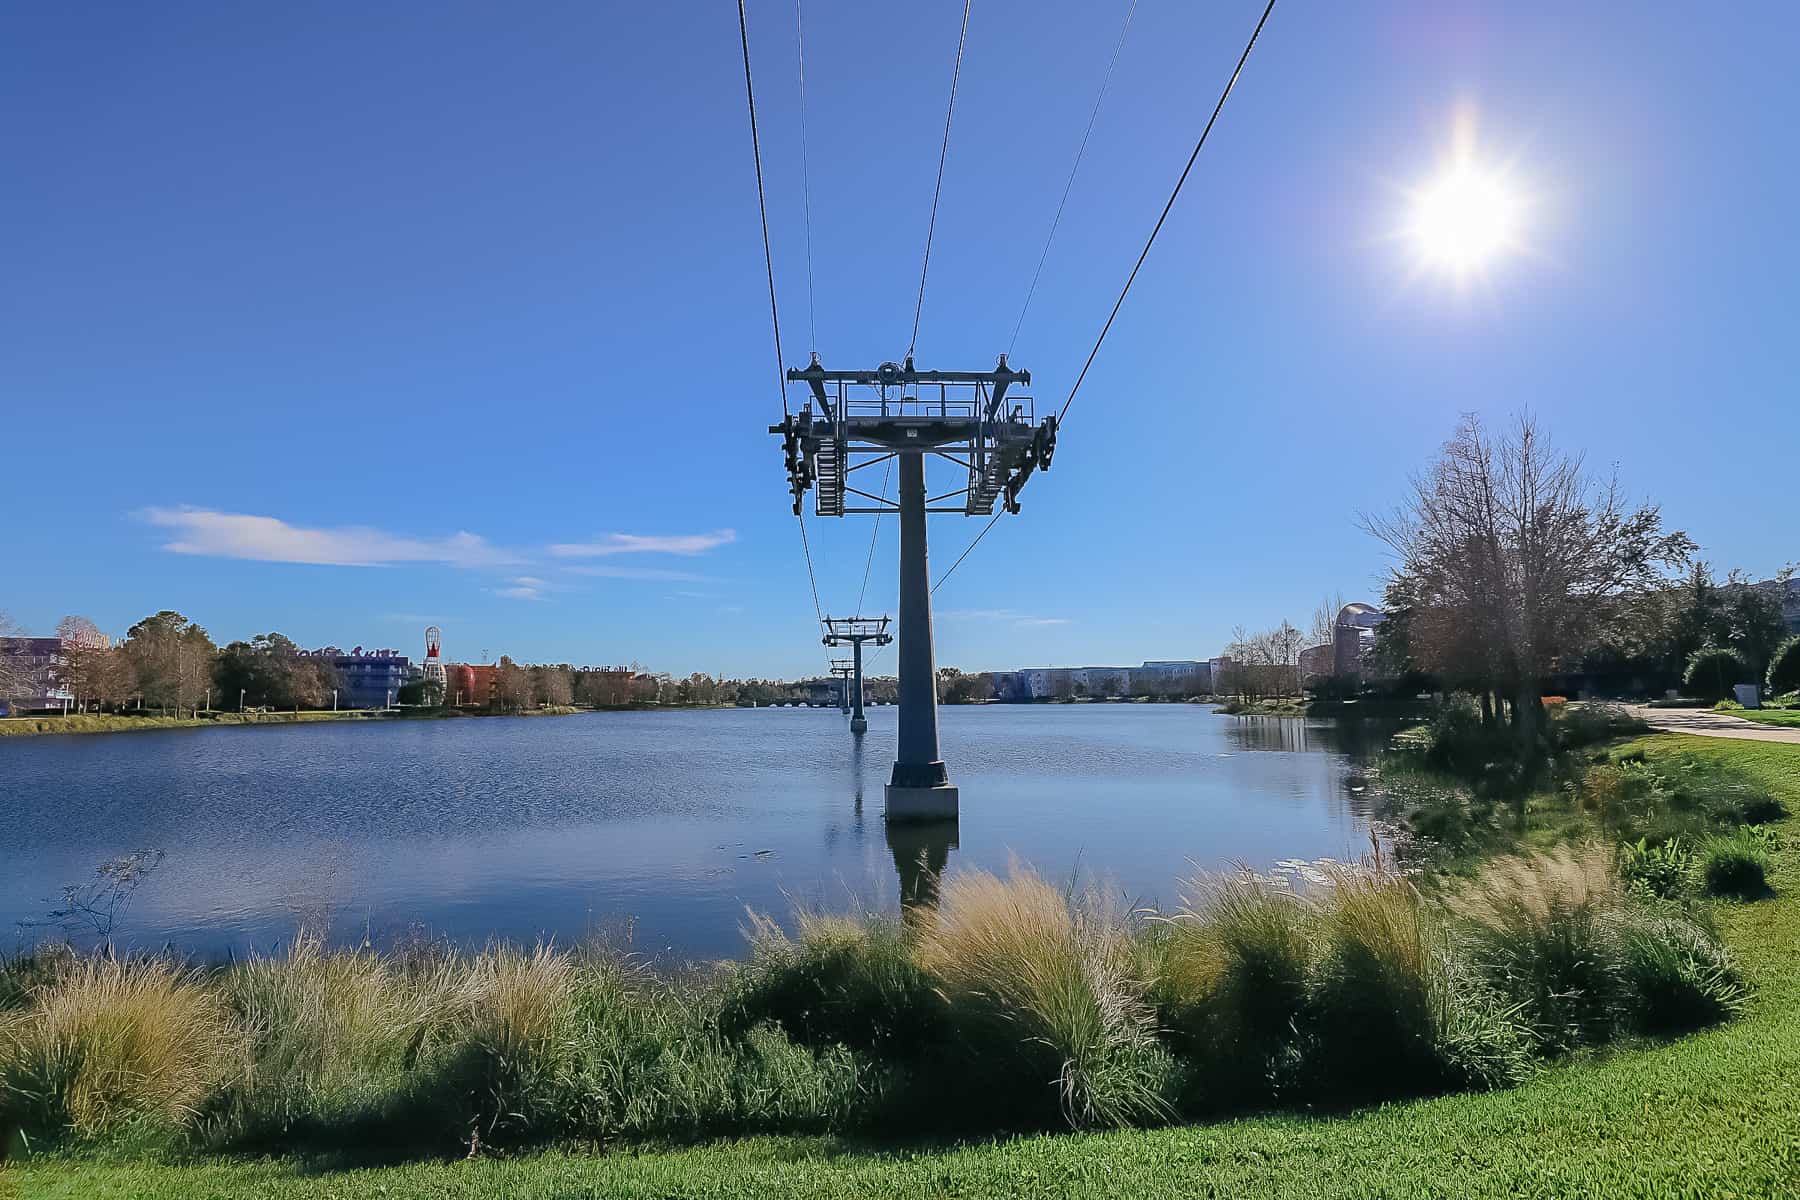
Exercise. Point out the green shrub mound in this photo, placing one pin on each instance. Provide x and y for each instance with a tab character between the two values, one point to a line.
1737	865
1012	1005
1784	669
1712	673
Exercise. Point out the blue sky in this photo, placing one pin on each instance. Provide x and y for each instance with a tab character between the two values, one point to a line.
341	319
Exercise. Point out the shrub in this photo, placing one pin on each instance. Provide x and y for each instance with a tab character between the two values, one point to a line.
1712	672
1784	668
1537	927
1677	975
1232	984
1577	725
1736	865
1041	992
110	1042
1659	870
839	982
1757	808
1456	740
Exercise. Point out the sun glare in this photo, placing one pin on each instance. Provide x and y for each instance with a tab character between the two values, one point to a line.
1468	215
1462	220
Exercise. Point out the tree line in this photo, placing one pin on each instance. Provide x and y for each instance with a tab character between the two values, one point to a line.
169	663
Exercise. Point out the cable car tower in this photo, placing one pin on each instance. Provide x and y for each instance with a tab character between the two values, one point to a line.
970	418
841	670
855	631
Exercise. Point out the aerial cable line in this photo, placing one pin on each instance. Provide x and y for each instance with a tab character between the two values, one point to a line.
886	472
1151	241
943	152
1229	85
769	265
966	550
812	321
1080	151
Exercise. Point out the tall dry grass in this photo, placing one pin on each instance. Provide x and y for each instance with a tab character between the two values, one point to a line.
1044	992
111	1041
333	1036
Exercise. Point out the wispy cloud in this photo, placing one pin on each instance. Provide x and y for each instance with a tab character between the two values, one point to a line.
525	587
213	534
631	543
1018	620
655	573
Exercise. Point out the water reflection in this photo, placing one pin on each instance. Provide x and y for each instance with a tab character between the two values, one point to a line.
675	821
921	850
1301	735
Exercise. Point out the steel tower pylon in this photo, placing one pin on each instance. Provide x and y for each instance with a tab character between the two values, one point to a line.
970	418
841	670
855	631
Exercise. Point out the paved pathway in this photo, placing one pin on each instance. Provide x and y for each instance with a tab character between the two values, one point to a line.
1707	723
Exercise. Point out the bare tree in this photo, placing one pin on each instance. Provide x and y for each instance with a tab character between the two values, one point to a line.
1324	620
15	680
1511	557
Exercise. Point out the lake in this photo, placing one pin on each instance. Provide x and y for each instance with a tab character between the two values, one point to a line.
657	826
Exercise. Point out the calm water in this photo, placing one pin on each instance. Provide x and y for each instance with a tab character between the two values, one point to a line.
665	825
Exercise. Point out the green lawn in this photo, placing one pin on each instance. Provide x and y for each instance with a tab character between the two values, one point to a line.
1714	1115
1789	717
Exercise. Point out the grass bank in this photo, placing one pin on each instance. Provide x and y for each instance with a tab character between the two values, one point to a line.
1025	1004
1264	708
131	723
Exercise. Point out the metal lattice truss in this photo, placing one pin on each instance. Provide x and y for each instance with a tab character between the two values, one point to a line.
840	631
865	418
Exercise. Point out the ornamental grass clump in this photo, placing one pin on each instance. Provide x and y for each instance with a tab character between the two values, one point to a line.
333	1036
836	981
1540	928
1232	984
652	1061
1736	865
1373	999
1677	975
509	1052
1044	998
111	1042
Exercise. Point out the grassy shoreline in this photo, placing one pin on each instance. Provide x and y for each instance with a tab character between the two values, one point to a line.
1714	1113
83	723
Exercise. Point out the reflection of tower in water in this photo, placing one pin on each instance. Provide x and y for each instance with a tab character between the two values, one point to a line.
921	850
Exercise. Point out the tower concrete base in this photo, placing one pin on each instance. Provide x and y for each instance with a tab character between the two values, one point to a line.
921	803
859	724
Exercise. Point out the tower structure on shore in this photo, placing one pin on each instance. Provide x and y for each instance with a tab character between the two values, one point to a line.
434	662
854	631
972	419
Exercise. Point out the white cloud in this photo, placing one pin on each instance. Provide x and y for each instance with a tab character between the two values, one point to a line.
214	534
526	587
655	573
631	543
1018	620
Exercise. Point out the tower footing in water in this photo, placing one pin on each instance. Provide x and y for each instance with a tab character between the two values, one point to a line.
920	803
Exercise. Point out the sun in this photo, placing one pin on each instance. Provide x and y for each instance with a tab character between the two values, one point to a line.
1469	215
1464	219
